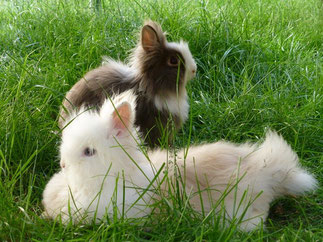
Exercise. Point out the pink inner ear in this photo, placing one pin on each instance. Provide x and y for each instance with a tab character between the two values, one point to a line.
148	37
125	114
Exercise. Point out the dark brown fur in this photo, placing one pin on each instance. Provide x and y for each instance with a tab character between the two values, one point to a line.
156	76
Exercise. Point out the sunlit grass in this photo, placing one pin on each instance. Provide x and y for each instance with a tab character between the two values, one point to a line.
259	65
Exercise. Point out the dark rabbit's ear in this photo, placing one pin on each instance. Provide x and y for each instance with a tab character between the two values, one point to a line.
152	36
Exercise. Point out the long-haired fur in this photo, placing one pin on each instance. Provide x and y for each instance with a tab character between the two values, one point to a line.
100	155
250	175
158	72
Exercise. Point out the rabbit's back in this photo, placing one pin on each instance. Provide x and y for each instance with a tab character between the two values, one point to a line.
98	84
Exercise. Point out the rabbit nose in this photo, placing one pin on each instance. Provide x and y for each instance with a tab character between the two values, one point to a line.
62	163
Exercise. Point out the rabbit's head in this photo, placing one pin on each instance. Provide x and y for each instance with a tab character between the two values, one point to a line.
93	140
164	67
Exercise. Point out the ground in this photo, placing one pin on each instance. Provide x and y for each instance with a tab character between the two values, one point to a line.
260	66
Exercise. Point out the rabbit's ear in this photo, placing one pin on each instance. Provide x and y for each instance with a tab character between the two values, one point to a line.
122	119
149	38
152	36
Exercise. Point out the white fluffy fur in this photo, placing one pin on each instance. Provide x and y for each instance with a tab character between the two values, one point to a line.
262	172
269	170
86	185
126	70
174	104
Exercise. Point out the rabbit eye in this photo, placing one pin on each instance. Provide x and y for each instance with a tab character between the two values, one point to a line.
89	152
173	61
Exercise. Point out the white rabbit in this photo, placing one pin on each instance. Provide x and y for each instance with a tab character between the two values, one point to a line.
246	177
99	172
250	175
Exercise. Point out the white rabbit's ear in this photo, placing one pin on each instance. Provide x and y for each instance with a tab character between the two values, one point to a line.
122	119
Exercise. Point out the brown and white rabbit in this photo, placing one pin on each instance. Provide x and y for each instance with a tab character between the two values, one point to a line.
102	165
158	72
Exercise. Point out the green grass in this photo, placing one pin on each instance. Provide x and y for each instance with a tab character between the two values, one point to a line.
260	65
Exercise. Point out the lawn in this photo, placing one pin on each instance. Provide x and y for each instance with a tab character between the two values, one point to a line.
260	65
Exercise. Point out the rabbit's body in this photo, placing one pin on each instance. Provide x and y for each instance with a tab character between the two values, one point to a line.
250	174
96	144
56	197
87	199
157	73
98	175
